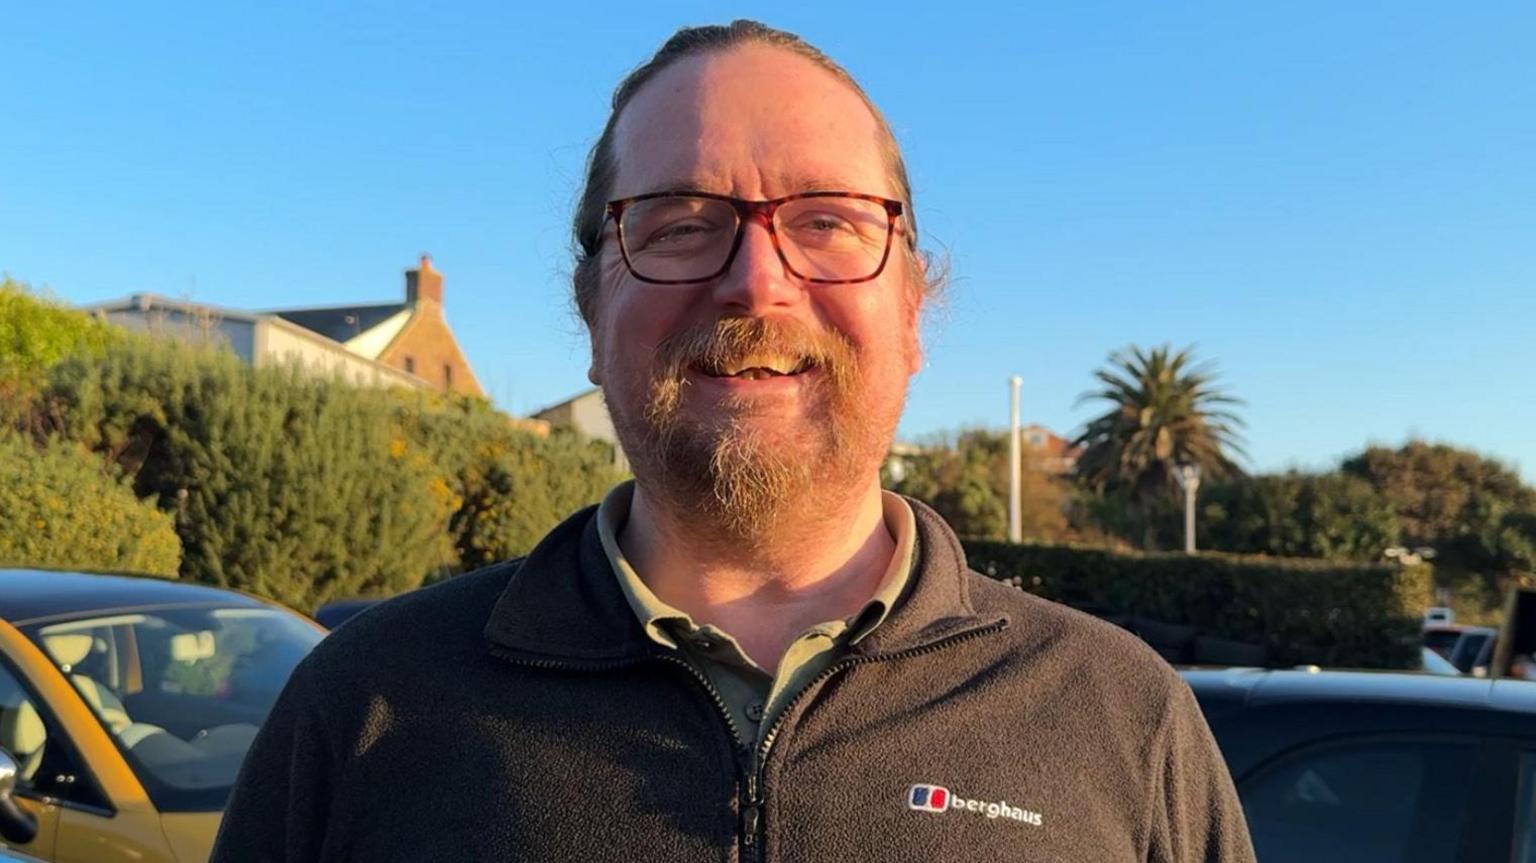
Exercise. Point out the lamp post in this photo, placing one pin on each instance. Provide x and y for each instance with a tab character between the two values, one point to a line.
1015	509
1188	476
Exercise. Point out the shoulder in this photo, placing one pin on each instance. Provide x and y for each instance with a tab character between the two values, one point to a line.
1085	651
424	626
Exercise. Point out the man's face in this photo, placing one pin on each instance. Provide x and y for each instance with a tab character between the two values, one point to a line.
753	122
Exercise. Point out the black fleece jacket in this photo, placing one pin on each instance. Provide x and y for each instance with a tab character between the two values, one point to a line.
520	714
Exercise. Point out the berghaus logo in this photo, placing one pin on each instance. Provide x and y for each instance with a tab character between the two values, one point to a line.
938	799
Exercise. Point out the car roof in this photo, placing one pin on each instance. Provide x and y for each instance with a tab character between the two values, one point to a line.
29	595
1259	687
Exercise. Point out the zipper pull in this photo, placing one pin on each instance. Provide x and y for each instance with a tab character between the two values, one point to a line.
751	813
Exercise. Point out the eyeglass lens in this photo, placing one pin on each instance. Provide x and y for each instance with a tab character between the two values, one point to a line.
683	238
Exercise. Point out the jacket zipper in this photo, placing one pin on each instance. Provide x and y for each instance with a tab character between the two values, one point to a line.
753	829
750	803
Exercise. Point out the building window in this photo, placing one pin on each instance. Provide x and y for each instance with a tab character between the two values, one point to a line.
410	365
447	376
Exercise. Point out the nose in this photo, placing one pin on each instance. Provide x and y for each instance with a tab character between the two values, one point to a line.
757	280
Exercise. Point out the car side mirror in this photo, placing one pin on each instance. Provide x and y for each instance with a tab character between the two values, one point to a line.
16	824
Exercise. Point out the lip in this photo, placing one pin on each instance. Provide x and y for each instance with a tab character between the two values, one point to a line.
771	385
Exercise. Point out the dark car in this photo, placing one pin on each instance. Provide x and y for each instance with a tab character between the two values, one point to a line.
1359	767
1442	637
334	614
1473	648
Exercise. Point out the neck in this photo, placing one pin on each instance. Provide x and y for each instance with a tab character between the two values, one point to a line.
818	565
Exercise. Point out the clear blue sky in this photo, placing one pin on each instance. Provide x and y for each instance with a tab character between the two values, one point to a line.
1335	201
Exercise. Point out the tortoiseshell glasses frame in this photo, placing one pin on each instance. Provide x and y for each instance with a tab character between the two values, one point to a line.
767	211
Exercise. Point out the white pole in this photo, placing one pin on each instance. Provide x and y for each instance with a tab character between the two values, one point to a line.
1015	510
1189	478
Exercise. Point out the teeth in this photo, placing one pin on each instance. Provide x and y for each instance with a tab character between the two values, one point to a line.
778	365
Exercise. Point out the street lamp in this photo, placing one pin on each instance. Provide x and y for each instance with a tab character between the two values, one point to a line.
1015	508
1188	476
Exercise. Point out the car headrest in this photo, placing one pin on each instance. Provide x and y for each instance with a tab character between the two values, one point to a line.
192	646
68	650
21	730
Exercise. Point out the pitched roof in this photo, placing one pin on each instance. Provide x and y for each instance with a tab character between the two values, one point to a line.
340	323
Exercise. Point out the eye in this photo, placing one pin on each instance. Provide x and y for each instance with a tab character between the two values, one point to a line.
678	233
822	223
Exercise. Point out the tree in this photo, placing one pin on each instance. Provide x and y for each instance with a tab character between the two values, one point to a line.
1323	515
297	488
966	481
35	334
1165	411
61	508
511	485
1472	510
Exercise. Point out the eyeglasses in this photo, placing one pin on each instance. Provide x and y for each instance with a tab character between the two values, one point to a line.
829	238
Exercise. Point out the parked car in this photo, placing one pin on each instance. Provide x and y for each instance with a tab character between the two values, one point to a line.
1473	649
334	614
126	707
1438	614
1378	767
1442	637
1431	662
9	856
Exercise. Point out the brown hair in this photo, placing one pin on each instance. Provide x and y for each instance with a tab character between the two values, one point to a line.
602	163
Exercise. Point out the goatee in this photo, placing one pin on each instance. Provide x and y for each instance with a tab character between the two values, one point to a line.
723	470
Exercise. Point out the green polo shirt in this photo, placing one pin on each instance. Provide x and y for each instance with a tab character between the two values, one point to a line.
754	695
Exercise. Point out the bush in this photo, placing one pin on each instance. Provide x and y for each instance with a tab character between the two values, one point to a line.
34	335
291	487
1329	515
61	508
1303	612
511	486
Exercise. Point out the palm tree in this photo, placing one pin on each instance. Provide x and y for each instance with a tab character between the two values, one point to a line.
1166	411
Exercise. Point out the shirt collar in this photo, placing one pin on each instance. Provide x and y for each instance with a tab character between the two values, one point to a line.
657	616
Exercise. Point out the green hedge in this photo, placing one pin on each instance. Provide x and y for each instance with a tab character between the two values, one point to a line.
510	485
36	333
292	487
1303	612
306	489
61	508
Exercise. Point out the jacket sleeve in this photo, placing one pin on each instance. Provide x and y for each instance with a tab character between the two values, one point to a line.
1196	815
279	809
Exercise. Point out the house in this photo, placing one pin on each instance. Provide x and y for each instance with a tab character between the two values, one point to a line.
379	344
1055	454
587	413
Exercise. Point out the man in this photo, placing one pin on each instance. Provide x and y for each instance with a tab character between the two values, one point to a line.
751	652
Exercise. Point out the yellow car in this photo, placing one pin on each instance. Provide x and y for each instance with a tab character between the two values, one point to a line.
126	707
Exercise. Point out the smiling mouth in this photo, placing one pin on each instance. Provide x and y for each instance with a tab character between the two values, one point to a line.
757	368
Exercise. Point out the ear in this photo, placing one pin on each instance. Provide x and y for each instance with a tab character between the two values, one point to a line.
593	374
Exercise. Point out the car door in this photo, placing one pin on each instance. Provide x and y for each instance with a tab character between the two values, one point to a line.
31	738
89	806
1400	798
1504	815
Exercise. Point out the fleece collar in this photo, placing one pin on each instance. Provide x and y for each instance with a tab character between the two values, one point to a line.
563	603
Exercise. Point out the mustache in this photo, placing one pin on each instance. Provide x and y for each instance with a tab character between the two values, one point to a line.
732	341
728	342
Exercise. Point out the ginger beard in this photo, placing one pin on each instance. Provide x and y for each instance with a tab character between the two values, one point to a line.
715	464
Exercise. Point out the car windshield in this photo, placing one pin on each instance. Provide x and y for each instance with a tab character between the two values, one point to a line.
182	690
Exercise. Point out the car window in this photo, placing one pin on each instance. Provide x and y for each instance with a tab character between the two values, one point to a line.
1363	802
45	764
182	690
1525	811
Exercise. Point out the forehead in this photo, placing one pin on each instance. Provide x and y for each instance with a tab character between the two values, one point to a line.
753	121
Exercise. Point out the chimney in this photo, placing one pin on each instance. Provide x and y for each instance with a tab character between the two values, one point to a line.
424	283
